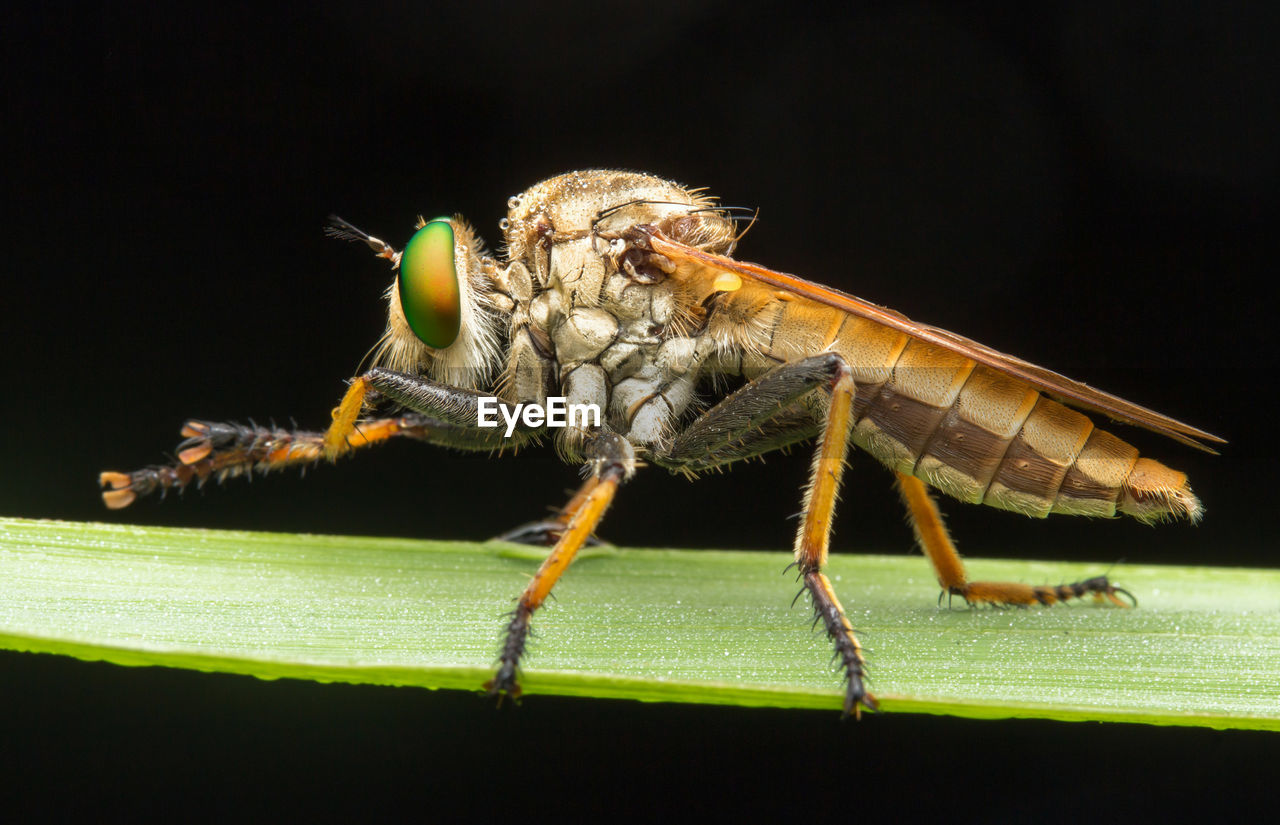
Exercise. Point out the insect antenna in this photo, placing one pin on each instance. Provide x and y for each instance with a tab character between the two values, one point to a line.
345	231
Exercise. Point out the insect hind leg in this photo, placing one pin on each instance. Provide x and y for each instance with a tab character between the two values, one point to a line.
771	413
814	538
936	543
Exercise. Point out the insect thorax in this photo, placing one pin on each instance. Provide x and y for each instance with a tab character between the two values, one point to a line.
597	329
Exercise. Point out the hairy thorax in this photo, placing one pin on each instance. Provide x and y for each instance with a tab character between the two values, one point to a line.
598	329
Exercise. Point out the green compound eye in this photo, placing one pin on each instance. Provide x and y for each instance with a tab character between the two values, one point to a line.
429	285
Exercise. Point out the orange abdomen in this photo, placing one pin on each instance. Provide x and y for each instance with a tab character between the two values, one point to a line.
974	432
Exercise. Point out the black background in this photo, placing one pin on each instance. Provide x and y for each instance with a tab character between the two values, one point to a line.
1089	186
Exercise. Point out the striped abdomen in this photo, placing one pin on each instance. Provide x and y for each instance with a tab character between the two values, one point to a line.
976	433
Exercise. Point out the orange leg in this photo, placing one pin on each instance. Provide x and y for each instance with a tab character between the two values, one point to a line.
434	412
770	413
220	451
548	531
580	517
936	544
337	439
814	538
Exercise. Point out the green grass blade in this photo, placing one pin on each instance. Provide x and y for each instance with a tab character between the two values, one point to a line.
655	625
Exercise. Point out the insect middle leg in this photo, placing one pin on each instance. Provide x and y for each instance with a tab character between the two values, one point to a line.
611	460
460	408
770	413
546	532
609	457
947	565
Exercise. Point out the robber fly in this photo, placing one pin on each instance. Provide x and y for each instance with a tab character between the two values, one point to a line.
617	293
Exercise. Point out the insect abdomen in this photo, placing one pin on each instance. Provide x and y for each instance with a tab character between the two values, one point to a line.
974	432
984	437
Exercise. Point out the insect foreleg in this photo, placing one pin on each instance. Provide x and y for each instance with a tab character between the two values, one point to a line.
612	460
222	450
949	568
770	413
451	405
440	414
